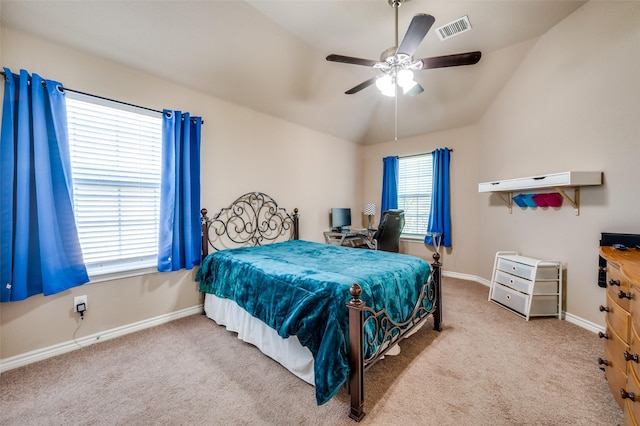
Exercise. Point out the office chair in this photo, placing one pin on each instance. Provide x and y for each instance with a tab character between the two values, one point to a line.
387	237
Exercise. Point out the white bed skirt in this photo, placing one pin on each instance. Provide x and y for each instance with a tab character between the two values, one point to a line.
288	352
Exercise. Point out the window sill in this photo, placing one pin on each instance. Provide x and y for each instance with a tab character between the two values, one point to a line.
98	277
412	238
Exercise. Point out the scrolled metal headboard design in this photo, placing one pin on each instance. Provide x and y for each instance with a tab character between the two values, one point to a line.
253	219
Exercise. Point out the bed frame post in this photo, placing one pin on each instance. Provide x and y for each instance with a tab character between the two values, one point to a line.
296	224
437	287
205	239
356	353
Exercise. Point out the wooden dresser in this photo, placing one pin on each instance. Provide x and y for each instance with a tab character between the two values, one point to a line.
621	359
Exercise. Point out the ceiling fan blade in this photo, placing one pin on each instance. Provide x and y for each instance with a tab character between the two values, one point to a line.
415	90
418	29
351	60
361	86
458	59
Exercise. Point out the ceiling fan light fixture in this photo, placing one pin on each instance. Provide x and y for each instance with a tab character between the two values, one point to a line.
405	79
407	88
386	85
397	63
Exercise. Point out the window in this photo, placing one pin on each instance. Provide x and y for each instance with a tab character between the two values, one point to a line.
116	154
414	193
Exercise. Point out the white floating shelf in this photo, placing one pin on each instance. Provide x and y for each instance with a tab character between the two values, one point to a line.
543	181
555	181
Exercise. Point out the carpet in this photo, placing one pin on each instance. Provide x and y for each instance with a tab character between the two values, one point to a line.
486	367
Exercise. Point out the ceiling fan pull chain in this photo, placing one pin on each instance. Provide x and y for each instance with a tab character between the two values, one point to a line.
395	130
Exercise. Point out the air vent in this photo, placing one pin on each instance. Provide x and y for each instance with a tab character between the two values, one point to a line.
454	28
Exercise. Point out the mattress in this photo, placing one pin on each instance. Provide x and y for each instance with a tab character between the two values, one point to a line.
300	288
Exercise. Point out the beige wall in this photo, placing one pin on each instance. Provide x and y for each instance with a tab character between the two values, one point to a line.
572	105
242	151
464	170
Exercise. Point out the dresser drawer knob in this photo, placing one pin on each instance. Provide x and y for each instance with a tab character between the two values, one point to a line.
603	335
623	295
603	308
614	282
627	395
630	357
602	361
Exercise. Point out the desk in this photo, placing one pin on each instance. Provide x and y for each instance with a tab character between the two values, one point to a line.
350	238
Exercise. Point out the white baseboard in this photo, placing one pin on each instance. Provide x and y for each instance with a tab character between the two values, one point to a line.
61	348
467	277
580	322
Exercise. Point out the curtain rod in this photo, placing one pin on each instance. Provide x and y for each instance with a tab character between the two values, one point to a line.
111	100
424	153
105	98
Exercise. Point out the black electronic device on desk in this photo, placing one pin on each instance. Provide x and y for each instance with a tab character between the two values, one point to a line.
619	242
341	233
340	219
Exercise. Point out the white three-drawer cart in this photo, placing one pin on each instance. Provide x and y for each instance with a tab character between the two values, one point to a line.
526	286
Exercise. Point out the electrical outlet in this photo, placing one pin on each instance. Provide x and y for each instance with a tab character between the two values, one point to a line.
79	300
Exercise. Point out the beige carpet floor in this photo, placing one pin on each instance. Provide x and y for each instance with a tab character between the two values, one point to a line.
487	367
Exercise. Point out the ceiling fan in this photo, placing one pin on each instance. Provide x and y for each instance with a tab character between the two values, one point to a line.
397	63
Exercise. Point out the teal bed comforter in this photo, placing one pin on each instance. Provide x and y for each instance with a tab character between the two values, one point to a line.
301	288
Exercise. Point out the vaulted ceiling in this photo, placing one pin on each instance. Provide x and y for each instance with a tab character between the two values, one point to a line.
270	55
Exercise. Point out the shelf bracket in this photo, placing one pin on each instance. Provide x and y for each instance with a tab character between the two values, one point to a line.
508	200
575	202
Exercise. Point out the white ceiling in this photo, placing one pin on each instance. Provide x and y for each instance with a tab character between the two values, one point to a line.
270	55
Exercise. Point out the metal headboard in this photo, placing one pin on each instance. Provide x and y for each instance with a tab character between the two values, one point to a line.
253	219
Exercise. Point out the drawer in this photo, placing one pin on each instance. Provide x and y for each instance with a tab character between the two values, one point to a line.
616	379
629	419
513	281
634	351
634	305
615	347
523	285
616	283
618	318
633	386
527	271
510	298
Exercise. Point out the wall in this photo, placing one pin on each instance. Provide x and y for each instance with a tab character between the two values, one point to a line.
242	151
461	258
572	105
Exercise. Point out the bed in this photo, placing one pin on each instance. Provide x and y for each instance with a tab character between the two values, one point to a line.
327	313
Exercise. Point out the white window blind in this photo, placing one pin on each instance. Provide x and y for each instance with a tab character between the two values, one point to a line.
116	154
414	193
